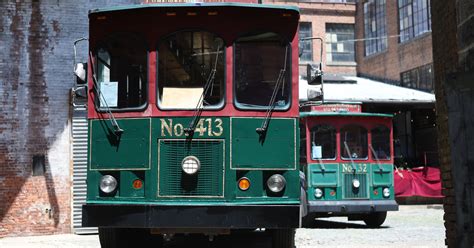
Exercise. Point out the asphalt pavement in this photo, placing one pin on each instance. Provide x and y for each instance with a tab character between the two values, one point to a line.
412	226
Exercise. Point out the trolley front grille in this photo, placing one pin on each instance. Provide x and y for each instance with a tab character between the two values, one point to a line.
207	182
354	193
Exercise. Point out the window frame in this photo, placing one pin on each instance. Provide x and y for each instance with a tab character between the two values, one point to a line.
389	142
96	84
216	107
376	44
330	42
336	131
310	42
341	143
289	70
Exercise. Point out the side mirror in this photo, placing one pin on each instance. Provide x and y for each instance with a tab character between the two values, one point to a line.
80	70
314	74
80	92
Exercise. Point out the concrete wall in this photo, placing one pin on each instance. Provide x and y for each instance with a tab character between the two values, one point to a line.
36	62
399	57
453	49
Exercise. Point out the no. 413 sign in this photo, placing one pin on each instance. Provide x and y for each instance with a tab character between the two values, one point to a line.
208	126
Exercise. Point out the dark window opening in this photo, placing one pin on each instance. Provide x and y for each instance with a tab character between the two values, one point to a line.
354	142
260	64
305	46
187	60
122	72
39	165
381	143
323	142
420	78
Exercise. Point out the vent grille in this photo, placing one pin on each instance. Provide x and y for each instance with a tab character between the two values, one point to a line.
208	181
352	193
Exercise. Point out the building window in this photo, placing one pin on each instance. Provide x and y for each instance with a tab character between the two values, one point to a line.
340	43
306	46
375	26
414	17
420	78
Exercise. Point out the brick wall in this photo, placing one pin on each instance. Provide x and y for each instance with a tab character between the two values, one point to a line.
453	49
320	14
36	64
399	57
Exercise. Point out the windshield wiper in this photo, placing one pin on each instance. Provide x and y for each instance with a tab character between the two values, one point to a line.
376	157
350	156
271	105
200	105
117	130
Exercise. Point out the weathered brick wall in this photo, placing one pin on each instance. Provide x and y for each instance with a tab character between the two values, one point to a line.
36	56
398	57
453	49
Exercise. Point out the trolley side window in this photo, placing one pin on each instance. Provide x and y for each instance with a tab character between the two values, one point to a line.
323	142
380	143
191	66
122	72
354	142
261	64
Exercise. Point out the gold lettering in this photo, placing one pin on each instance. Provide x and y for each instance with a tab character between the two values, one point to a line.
178	129
219	127
167	127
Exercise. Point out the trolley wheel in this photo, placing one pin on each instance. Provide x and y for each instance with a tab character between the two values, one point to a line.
109	237
376	219
283	238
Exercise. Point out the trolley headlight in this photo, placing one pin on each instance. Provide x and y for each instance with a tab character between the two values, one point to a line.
356	183
276	183
108	184
318	193
190	165
386	192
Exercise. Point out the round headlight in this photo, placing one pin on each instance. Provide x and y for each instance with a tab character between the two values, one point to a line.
190	165
276	183
355	183
108	184
318	193
386	192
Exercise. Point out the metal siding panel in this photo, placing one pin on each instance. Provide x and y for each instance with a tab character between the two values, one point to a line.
79	175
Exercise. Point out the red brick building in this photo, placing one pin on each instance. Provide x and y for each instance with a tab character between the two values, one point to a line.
334	21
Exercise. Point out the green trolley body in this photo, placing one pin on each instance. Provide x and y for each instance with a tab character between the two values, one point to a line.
347	159
193	116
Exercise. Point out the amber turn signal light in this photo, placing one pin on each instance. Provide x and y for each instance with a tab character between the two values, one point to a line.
244	184
137	184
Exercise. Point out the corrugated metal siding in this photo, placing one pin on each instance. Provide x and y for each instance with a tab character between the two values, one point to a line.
79	152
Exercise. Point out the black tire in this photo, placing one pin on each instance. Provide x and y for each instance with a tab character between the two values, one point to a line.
128	237
283	238
308	221
109	237
376	219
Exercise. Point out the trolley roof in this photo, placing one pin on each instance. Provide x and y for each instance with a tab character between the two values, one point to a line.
191	5
354	114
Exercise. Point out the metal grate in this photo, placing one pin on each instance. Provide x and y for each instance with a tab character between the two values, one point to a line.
351	192
208	181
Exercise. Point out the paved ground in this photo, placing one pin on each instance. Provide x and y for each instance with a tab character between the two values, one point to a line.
412	226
